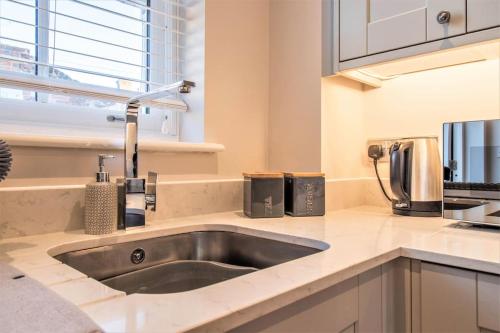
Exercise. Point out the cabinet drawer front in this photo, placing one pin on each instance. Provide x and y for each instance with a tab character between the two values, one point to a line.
455	26
397	31
482	14
488	301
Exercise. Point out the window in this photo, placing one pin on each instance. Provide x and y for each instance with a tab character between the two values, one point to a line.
74	62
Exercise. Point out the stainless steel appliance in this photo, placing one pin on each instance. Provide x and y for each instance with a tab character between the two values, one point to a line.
415	177
471	164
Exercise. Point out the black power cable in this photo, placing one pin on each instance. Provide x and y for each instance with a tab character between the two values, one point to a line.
375	152
375	163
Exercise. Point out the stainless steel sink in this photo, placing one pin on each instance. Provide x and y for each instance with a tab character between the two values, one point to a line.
182	262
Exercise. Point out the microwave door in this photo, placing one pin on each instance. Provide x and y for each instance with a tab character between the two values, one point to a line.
471	171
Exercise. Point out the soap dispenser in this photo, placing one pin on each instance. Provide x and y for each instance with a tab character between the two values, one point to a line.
101	199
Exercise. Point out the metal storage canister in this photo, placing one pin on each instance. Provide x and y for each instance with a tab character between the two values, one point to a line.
305	193
263	194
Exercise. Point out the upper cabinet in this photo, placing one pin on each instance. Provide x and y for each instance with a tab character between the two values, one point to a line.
445	18
393	24
368	27
367	32
482	14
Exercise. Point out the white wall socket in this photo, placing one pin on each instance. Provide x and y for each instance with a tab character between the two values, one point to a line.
386	145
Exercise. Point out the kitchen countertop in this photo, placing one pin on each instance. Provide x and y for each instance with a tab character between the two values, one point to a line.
359	239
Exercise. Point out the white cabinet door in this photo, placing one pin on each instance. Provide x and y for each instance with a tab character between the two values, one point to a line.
352	23
445	18
394	24
482	14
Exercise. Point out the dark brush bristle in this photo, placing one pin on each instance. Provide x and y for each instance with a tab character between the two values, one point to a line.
5	159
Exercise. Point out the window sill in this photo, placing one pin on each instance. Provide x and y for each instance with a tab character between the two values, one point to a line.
106	142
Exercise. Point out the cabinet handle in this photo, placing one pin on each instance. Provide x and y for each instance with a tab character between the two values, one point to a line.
443	17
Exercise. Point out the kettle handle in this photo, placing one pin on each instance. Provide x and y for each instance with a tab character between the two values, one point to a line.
398	167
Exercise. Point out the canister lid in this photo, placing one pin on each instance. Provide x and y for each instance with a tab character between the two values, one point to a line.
304	174
263	174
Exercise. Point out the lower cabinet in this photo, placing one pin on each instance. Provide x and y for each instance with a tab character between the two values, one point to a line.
448	299
488	302
385	298
403	295
378	300
334	309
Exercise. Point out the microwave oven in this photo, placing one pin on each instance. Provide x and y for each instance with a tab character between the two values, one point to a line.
471	171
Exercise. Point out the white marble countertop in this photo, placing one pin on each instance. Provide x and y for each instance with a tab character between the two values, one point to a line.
359	239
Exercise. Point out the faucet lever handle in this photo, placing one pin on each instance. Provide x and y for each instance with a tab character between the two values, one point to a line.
151	188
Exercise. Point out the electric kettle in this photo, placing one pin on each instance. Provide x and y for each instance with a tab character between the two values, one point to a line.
415	177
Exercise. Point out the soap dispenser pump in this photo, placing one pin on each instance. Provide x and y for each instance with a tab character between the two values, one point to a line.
101	199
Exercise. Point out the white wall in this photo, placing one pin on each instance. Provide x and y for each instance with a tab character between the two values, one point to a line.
411	105
237	82
419	103
344	132
295	85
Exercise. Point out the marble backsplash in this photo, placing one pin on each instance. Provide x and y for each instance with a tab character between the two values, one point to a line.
37	210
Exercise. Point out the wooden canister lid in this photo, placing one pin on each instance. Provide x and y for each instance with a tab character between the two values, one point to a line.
304	174
263	174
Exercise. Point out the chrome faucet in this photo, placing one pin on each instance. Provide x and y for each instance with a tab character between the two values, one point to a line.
135	197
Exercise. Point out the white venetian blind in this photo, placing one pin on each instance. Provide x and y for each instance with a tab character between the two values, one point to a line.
90	53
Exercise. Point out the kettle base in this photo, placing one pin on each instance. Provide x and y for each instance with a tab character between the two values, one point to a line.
415	213
421	209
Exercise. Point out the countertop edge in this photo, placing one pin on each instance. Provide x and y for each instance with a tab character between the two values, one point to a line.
235	319
449	260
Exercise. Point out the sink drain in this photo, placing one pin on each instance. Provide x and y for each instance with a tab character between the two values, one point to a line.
137	256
